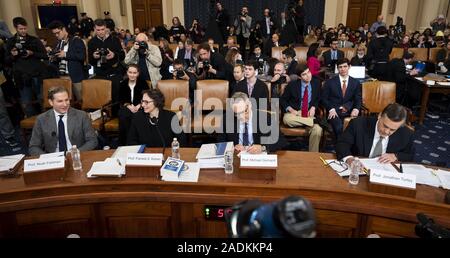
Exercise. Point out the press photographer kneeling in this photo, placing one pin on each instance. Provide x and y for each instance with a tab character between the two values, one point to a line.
179	73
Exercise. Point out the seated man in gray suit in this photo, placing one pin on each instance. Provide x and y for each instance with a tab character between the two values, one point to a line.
62	127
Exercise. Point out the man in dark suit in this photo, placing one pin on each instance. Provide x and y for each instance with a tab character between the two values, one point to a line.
247	131
268	24
342	97
331	56
187	54
70	56
211	65
288	56
62	127
408	92
385	138
252	86
300	102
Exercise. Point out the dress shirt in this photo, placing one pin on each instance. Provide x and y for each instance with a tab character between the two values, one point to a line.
302	92
250	131
69	144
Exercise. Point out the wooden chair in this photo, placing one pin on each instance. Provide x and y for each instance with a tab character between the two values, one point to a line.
277	52
349	53
28	123
97	96
301	54
176	94
420	54
433	54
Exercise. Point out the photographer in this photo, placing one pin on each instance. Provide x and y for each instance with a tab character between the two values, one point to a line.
68	56
196	32
24	53
148	57
105	55
243	24
211	65
179	73
280	77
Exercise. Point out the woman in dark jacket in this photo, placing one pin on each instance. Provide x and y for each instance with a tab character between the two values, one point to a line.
130	101
154	126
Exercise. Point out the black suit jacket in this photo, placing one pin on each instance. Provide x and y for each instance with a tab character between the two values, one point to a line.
327	57
277	141
273	27
332	95
292	69
159	135
260	91
125	92
76	55
292	97
357	140
397	71
182	53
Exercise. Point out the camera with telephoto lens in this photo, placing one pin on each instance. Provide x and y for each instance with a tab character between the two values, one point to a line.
21	46
427	228
293	217
206	65
103	53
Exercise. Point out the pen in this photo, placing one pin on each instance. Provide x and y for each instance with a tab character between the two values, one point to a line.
401	168
324	162
118	161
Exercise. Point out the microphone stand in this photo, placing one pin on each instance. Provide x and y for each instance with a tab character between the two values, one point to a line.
160	135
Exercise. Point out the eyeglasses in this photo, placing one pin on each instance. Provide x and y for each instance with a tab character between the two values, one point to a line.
340	164
146	102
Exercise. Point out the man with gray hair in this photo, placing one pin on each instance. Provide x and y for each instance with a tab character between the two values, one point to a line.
148	57
252	131
62	127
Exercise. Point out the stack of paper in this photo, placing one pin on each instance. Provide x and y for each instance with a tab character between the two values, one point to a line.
8	163
373	164
189	174
427	176
212	156
109	168
122	152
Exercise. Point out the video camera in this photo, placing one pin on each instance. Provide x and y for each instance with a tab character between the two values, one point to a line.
292	217
427	228
20	45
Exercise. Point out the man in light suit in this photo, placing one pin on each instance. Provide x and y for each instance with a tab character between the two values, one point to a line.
62	127
385	138
243	24
342	97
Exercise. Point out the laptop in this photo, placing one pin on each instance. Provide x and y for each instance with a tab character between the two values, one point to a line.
357	72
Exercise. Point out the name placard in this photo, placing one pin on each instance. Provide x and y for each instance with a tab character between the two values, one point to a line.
259	161
393	179
145	160
431	83
34	165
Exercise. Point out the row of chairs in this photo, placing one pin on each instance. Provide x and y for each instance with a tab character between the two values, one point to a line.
421	54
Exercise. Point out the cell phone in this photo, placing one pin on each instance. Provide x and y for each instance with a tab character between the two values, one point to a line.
171	70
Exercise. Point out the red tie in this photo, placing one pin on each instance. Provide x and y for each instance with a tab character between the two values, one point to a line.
305	102
344	88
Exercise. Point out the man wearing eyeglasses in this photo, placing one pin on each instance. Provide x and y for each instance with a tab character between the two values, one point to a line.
385	138
251	130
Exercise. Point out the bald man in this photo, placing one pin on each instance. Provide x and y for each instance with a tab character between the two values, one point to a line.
377	24
148	57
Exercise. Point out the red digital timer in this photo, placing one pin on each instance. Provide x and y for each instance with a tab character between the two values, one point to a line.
216	212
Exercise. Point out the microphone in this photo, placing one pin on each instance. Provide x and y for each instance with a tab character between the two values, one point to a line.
154	121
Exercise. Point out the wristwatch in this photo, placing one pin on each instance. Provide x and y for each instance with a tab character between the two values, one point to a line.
263	149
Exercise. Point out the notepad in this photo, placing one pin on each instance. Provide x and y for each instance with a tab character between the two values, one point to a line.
8	163
109	168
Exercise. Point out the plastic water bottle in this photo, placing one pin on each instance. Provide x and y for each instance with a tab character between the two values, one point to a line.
76	158
229	169
355	169
176	149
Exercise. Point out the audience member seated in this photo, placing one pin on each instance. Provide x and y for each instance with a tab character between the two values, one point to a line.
443	59
239	76
211	65
130	100
231	44
211	44
258	56
311	38
70	56
343	41
187	54
360	59
154	126
313	62
233	57
408	92
385	138
180	73
274	42
331	56
248	133
300	102
252	86
148	58
61	127
342	97
280	77
290	62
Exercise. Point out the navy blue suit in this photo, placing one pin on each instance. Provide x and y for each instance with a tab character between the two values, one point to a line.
75	56
332	98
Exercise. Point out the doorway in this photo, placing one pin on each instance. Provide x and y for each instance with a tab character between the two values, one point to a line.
147	13
363	11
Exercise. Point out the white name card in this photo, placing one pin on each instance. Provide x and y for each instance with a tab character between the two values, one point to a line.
431	83
145	160
34	165
393	179
259	161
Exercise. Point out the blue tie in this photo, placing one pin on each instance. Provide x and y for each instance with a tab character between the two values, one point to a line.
62	135
245	140
334	55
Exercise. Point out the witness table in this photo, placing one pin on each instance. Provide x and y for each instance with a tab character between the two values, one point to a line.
427	90
147	207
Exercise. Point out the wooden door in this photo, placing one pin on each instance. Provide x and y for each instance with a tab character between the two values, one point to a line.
363	11
147	13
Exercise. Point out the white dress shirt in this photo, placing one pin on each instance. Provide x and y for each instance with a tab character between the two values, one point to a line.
69	144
